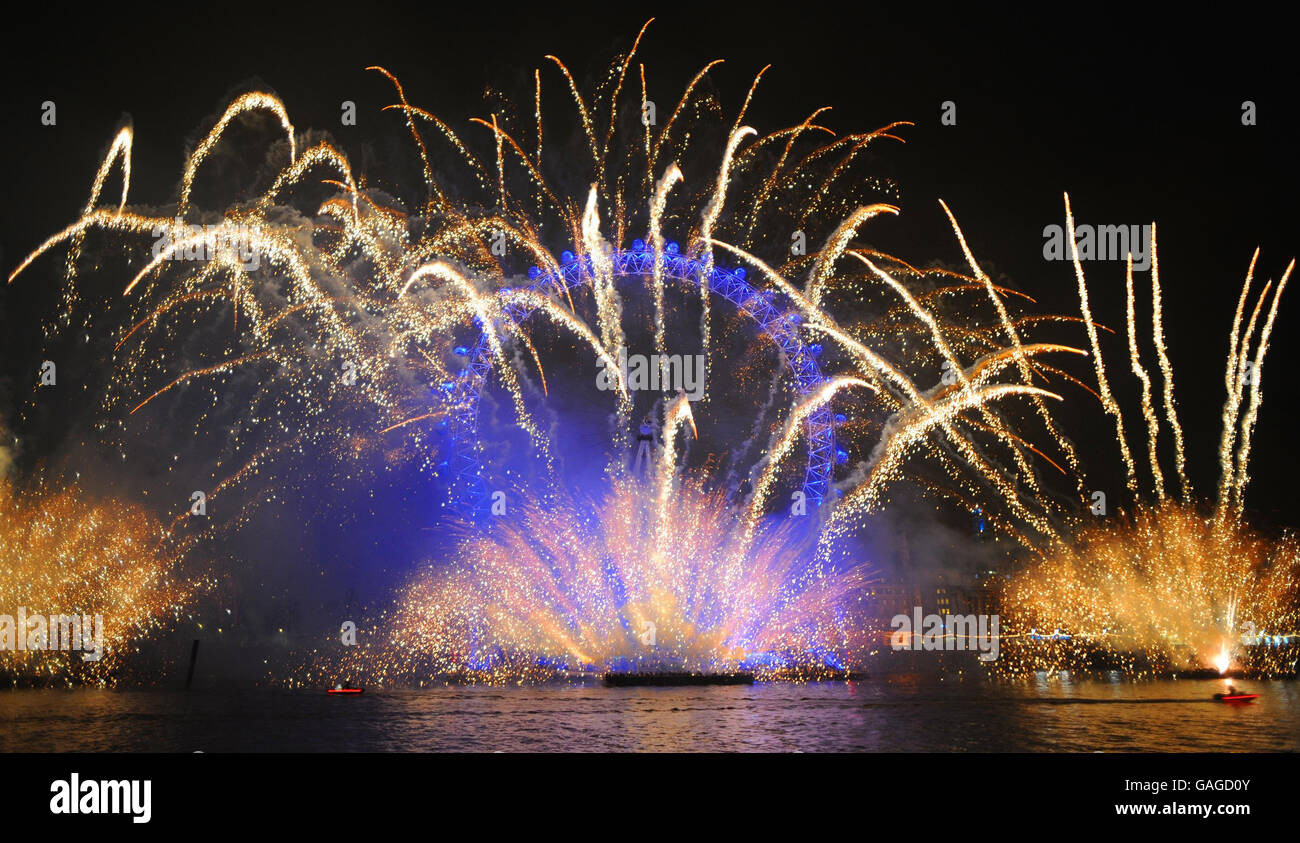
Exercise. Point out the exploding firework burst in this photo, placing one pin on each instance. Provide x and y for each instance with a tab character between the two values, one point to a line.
1165	589
628	583
379	287
306	327
65	554
1174	582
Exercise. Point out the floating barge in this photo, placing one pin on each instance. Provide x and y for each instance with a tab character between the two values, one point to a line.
615	679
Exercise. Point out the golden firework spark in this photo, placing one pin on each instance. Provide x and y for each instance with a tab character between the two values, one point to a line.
1168	584
63	553
357	303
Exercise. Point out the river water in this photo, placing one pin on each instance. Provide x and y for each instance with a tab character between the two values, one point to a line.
899	713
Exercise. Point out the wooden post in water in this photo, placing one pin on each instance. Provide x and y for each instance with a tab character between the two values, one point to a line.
194	656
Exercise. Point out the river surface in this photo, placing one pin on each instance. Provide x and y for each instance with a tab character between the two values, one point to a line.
887	714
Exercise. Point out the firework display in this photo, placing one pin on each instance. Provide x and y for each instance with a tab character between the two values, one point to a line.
1177	581
387	389
315	328
633	584
104	566
349	312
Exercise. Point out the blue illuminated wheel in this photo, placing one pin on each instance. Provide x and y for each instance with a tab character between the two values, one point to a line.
462	394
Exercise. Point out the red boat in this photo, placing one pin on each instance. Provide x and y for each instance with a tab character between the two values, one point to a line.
1233	698
346	690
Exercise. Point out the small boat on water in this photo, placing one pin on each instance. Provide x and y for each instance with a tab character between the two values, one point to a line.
1236	698
345	690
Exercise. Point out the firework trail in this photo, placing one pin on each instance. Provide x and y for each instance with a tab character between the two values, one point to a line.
345	337
1164	587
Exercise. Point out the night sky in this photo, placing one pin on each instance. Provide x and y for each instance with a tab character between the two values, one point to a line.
1137	116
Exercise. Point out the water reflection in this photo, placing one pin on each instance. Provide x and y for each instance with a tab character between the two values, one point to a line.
900	713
